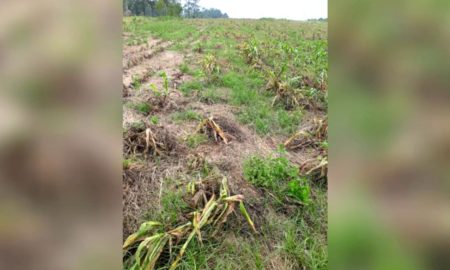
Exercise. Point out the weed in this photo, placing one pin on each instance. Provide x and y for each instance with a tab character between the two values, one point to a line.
195	140
184	68
142	107
189	87
278	175
187	115
154	120
136	82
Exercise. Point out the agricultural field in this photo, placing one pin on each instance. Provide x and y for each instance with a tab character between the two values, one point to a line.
224	144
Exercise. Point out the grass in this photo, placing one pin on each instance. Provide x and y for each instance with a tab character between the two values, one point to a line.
154	120
214	95
278	175
194	140
142	107
191	86
292	225
187	115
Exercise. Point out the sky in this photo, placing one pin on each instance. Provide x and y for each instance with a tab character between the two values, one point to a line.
280	9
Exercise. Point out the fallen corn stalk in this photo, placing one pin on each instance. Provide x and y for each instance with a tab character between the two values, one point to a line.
313	134
210	127
150	241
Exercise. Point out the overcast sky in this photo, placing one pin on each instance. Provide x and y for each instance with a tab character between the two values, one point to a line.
287	9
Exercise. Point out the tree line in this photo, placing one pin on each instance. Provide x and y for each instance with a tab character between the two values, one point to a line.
174	8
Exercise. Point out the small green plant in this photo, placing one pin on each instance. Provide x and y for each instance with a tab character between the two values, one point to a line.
138	125
184	68
195	140
187	115
154	119
189	87
142	107
164	93
276	174
298	190
126	163
251	52
198	48
211	68
136	82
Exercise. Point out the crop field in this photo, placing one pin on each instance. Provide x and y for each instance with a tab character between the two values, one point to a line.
224	144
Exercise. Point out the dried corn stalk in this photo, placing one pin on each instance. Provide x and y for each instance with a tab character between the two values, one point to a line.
313	135
209	126
152	242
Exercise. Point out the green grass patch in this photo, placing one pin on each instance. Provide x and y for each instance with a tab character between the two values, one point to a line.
277	174
187	115
194	140
142	107
188	87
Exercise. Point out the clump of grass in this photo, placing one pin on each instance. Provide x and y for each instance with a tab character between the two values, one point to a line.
138	125
194	140
142	107
136	82
126	163
154	120
187	115
277	174
198	47
213	96
189	87
184	68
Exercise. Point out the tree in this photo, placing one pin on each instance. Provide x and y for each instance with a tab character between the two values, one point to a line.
192	9
161	8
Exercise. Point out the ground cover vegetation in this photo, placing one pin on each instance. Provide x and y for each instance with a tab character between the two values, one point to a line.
225	144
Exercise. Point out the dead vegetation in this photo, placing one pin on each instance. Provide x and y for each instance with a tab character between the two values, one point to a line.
209	127
151	247
312	135
147	140
220	129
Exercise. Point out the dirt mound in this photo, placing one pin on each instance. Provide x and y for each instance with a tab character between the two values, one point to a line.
146	140
231	128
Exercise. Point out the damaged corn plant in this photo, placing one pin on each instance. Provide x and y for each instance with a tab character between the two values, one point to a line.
313	135
209	127
211	67
155	246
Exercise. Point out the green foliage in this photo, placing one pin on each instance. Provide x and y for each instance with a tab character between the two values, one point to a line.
298	190
195	140
188	87
184	68
136	82
138	125
187	115
154	119
276	174
142	107
126	163
211	68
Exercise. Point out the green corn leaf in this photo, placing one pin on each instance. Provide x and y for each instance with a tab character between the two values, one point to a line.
247	216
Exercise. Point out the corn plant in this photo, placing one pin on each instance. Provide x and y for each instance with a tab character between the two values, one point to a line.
211	67
150	241
164	93
251	52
